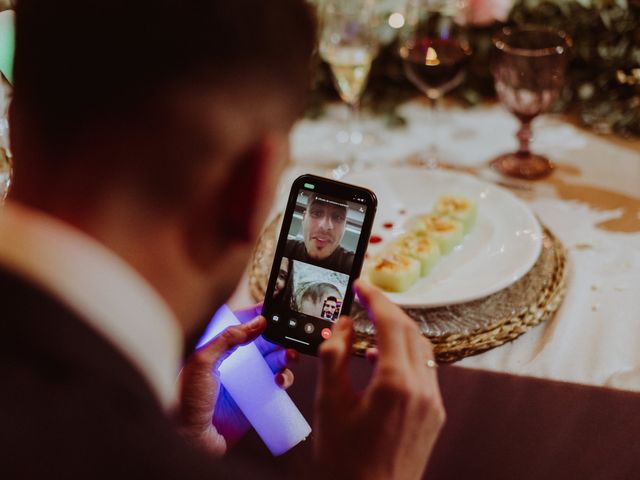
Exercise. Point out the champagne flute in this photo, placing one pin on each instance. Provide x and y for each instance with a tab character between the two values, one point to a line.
434	51
348	44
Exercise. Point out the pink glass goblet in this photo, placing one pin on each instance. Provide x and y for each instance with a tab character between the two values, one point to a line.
528	71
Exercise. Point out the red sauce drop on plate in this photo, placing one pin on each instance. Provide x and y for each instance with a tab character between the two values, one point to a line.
388	225
375	239
402	212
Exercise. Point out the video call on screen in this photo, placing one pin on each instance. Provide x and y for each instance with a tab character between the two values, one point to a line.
318	256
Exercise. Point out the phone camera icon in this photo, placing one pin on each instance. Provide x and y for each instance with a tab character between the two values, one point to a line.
275	318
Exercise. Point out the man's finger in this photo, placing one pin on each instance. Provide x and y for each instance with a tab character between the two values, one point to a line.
334	354
371	354
281	359
229	339
266	347
285	378
389	319
247	314
420	349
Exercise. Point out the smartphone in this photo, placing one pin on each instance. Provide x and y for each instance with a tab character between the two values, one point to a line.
321	247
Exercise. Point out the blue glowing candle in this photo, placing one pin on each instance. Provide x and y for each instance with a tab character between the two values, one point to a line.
249	380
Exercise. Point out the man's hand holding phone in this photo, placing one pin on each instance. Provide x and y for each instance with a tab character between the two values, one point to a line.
208	415
389	429
320	251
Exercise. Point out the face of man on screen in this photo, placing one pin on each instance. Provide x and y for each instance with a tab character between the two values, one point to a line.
323	226
329	308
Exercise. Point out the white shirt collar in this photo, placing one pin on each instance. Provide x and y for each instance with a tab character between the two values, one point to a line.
98	286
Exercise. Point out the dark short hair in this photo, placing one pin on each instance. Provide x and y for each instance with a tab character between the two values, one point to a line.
331	299
84	64
326	200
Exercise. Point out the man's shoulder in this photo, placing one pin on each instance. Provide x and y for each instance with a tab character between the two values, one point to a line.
74	404
46	328
55	348
87	430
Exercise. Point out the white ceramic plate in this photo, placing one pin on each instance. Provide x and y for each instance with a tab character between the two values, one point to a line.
502	246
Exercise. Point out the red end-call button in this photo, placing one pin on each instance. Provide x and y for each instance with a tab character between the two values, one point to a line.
326	333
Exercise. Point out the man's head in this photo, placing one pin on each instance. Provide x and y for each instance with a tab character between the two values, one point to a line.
323	225
160	127
329	308
310	298
189	75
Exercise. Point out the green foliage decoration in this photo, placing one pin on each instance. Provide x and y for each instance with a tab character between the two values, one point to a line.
603	77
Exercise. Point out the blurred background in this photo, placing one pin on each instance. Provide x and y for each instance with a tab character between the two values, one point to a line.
602	89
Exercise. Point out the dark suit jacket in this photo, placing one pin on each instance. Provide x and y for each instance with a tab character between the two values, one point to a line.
72	407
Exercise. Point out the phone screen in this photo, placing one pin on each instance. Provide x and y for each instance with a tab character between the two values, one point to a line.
322	243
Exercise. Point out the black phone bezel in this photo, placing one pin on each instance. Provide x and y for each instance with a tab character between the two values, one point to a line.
276	331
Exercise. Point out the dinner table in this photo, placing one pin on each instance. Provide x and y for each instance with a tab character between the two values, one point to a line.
562	399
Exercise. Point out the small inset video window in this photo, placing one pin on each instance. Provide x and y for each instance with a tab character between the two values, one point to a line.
311	290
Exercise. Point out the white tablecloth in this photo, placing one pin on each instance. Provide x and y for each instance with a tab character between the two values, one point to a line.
595	336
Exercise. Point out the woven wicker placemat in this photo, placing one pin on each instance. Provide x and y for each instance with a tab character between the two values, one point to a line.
461	330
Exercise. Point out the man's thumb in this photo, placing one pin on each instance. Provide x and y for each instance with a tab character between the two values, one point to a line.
223	344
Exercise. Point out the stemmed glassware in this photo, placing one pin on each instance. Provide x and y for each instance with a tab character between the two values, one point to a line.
348	43
434	51
528	72
6	171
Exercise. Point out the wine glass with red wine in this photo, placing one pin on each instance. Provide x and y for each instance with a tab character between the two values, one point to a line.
434	51
528	72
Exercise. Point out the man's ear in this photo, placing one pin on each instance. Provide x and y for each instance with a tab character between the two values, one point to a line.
232	213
